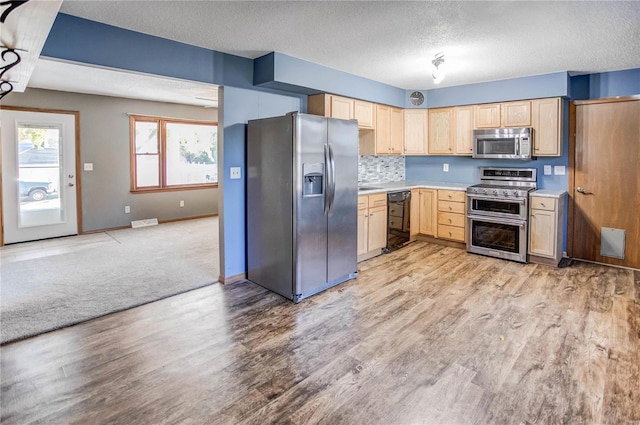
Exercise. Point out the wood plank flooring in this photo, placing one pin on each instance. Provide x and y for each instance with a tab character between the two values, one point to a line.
426	335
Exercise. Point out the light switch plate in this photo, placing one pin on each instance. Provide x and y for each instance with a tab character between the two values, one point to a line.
547	170
235	173
88	166
445	168
559	170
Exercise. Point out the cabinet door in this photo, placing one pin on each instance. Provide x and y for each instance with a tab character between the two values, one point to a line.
414	215
428	212
516	114
341	108
363	231
464	130
545	120
415	132
363	112
487	115
396	129
542	233
383	129
440	139
377	228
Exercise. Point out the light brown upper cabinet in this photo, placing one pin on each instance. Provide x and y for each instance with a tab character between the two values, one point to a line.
506	114
364	112
545	120
389	130
464	130
441	131
329	105
415	132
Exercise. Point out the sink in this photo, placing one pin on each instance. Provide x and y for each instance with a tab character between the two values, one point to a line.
369	188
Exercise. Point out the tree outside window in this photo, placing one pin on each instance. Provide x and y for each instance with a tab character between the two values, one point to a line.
170	154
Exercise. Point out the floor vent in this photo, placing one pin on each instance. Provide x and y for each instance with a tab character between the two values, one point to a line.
144	223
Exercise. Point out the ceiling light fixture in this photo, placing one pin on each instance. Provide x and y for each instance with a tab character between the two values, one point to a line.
438	64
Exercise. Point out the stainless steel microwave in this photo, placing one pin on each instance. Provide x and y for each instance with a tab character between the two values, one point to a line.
503	143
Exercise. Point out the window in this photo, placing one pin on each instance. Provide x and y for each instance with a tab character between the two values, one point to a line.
171	154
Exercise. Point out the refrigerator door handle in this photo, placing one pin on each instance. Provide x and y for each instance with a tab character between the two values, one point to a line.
327	181
332	173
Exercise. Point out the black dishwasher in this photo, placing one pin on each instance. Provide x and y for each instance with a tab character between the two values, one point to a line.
398	223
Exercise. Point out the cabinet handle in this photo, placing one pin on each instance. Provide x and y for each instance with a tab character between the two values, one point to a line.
449	220
450	208
542	203
450	234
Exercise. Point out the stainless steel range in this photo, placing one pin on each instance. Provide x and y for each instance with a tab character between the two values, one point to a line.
498	213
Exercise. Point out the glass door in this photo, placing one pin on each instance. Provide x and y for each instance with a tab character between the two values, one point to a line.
38	178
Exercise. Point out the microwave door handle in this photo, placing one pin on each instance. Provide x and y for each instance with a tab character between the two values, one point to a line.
518	145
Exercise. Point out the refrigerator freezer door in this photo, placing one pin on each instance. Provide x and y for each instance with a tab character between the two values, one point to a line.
270	256
343	212
310	221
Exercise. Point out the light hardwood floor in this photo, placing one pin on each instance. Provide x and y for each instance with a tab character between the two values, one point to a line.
426	335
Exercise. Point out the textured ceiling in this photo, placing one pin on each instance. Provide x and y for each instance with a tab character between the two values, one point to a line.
394	41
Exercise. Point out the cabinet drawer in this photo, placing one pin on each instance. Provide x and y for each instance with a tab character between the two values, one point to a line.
538	203
454	207
451	219
450	232
452	195
378	200
363	202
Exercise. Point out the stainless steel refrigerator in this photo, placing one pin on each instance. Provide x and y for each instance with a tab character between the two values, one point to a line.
302	190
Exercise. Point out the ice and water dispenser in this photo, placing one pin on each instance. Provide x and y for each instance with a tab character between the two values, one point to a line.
313	176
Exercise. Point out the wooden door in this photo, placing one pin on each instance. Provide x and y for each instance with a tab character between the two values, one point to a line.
516	114
441	131
377	228
396	130
341	107
606	187
545	120
428	212
415	132
487	115
363	231
383	129
464	130
363	112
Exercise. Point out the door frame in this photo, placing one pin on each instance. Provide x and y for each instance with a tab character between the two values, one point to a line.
572	157
78	168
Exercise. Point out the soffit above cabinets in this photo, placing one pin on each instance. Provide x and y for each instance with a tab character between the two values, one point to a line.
25	29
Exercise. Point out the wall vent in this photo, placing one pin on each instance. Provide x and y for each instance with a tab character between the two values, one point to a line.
144	223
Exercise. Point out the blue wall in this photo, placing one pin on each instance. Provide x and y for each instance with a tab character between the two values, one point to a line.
533	87
238	106
606	84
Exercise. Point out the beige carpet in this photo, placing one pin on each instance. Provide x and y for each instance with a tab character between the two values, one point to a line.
47	285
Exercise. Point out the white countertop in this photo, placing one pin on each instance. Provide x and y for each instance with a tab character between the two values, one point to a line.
408	185
549	193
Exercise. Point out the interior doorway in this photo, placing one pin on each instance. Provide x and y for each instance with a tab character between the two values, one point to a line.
39	169
605	184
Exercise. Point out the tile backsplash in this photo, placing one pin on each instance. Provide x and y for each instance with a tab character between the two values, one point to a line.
380	169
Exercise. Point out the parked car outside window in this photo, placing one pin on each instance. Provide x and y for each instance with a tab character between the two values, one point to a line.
36	190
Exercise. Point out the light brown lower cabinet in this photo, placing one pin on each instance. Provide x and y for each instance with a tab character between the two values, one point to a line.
546	227
372	223
451	215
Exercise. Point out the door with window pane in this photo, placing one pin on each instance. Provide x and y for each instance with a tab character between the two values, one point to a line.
38	175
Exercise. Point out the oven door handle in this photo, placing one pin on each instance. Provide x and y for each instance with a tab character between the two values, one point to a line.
520	201
518	223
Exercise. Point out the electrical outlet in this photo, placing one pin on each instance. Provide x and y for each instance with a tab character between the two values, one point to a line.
181	204
547	170
559	170
127	209
445	168
88	166
235	173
